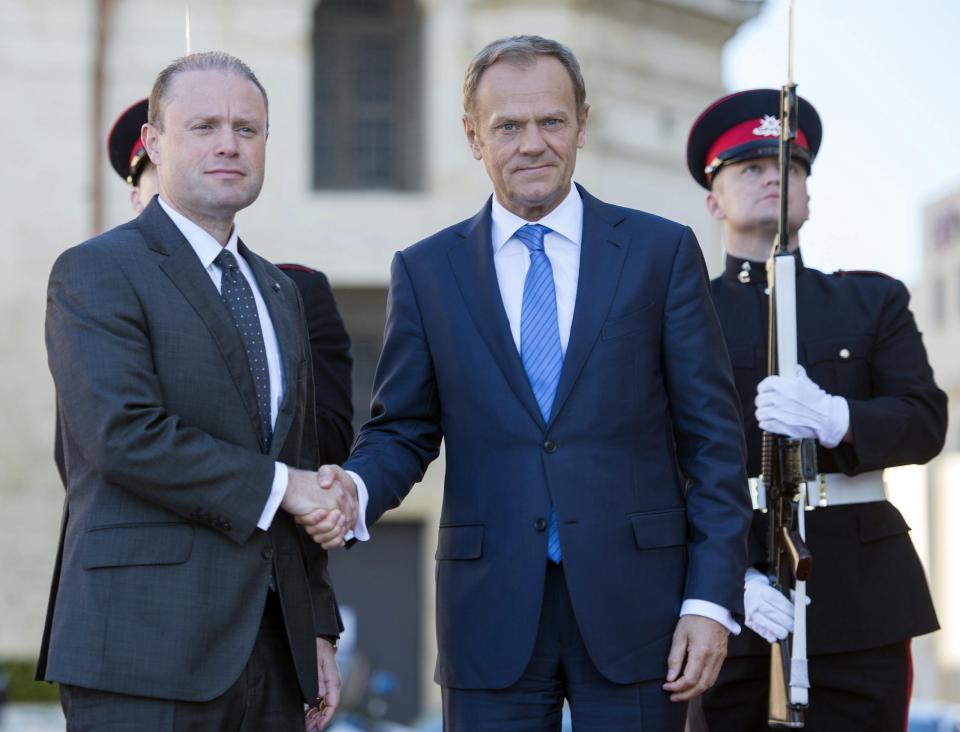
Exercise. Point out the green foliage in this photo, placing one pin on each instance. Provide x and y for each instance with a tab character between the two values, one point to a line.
20	684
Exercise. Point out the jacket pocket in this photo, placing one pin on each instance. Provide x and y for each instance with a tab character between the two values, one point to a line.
840	348
879	526
136	544
632	323
656	529
460	541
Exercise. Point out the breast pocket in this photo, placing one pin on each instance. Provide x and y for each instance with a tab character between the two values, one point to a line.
841	365
640	320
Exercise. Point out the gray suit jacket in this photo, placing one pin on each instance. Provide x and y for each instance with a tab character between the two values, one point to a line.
162	574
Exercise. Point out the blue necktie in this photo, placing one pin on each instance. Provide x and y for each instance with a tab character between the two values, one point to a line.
540	341
238	296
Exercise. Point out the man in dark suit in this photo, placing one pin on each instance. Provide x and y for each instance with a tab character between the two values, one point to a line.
329	341
866	393
185	596
566	352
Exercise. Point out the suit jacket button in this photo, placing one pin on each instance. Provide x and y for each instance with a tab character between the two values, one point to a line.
550	446
267	552
844	353
540	524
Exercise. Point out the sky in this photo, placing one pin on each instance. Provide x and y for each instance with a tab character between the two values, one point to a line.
883	76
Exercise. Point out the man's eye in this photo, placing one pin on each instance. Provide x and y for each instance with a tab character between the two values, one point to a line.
508	127
552	123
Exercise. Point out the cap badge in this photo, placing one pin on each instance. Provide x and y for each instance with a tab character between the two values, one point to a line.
769	127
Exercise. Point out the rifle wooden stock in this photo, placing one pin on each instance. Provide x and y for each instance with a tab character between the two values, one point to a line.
800	557
780	713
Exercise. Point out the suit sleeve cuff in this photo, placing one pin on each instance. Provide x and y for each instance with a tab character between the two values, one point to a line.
277	490
713	611
359	531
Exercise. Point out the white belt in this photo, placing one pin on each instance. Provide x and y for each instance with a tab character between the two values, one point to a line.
835	489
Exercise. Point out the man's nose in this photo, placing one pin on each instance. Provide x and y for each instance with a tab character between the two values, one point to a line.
531	140
771	174
226	143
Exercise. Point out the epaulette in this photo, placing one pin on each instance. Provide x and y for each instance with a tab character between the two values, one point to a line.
871	273
296	268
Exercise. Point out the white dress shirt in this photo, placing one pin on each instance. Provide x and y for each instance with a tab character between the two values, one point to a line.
207	249
511	259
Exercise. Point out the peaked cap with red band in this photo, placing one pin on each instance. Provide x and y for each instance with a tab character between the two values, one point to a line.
127	154
746	125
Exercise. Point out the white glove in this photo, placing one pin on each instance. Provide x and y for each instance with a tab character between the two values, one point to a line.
768	613
799	408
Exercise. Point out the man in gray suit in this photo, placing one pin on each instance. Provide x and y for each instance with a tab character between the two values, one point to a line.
185	595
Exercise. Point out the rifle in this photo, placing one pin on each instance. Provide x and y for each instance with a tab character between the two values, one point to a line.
787	464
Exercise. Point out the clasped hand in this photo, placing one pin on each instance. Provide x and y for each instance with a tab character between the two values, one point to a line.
324	503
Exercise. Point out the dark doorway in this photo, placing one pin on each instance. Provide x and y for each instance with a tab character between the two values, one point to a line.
381	581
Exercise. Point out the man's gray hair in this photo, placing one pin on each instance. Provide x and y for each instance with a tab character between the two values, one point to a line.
206	61
521	51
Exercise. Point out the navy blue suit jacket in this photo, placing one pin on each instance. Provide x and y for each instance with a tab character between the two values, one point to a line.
642	458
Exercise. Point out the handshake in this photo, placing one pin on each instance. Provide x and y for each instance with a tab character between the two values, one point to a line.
324	503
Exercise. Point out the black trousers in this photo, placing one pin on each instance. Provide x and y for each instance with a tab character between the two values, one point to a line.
862	691
265	697
561	668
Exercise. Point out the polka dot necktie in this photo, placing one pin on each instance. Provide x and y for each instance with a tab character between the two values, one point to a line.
540	349
238	296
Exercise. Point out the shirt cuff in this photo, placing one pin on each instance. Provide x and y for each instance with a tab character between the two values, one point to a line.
359	531
277	491
713	611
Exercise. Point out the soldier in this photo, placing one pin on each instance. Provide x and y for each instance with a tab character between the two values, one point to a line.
129	157
865	391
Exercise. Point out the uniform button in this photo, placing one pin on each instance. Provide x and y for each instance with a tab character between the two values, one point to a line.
540	524
550	446
267	552
844	353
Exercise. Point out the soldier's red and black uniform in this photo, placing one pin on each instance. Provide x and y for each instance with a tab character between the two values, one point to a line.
857	339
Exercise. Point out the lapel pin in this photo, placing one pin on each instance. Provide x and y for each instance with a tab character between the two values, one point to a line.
276	287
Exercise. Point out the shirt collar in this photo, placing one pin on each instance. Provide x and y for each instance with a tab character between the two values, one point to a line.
206	247
566	220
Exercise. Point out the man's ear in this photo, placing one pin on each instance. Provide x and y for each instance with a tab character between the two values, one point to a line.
150	138
713	206
471	132
582	126
135	200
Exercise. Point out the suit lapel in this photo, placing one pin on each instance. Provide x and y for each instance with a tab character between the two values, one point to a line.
602	253
184	269
476	276
285	328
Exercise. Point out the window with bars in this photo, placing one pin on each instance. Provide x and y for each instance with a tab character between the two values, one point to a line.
366	107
